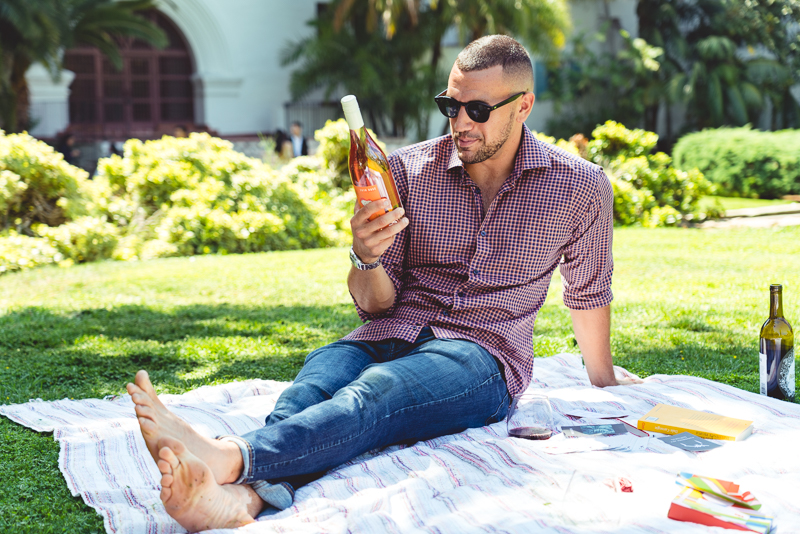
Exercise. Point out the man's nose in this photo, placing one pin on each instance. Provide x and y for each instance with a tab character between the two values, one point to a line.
462	122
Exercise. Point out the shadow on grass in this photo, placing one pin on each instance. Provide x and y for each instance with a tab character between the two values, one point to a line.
94	352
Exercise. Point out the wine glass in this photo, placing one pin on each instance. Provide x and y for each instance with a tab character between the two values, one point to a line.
530	417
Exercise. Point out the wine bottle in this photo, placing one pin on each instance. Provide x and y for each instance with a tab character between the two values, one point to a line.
369	169
776	350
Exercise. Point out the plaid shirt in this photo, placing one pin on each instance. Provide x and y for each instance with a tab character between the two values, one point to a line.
483	276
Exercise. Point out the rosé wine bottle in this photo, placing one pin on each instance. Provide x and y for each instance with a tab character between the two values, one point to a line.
369	169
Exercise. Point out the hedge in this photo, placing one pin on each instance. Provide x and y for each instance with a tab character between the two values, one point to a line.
744	162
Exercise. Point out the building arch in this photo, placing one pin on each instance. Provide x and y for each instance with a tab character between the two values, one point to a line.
148	97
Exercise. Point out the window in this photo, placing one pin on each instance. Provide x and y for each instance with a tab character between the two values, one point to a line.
148	97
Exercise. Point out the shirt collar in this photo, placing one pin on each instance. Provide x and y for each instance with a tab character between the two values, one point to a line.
530	155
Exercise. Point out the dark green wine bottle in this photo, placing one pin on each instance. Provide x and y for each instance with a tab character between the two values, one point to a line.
776	350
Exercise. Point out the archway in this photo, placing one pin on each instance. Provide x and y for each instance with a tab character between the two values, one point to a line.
147	98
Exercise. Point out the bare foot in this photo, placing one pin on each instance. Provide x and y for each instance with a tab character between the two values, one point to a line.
157	422
194	499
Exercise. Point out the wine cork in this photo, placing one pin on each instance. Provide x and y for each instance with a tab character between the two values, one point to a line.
352	113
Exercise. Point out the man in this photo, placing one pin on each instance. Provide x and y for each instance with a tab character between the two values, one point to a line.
451	286
299	143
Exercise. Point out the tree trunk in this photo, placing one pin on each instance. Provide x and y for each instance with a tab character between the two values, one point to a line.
19	88
8	100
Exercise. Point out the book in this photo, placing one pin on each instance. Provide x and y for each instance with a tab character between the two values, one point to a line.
673	420
706	509
719	488
594	430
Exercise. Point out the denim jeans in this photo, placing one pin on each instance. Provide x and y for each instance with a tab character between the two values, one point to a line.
354	396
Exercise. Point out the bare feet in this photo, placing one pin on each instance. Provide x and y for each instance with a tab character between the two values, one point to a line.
194	499
157	422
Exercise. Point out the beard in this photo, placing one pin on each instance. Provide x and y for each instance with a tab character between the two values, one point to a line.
488	149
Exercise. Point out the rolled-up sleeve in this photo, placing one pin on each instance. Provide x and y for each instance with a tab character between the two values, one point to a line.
394	257
588	264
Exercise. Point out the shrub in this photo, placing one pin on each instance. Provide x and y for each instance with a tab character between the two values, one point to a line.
197	195
85	239
18	252
648	190
613	140
38	186
744	162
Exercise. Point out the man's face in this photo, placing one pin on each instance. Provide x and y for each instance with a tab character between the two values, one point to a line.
477	142
296	130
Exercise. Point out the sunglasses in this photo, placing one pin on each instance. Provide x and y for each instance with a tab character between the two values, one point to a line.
477	111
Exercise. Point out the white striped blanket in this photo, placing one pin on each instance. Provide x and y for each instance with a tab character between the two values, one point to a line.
477	481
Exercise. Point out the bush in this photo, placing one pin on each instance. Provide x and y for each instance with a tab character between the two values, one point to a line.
38	186
648	190
18	252
197	195
744	162
85	239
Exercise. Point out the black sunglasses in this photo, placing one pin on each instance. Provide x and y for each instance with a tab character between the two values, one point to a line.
477	111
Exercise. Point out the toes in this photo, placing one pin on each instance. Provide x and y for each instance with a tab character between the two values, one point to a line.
166	490
165	468
149	428
142	410
175	446
143	381
167	456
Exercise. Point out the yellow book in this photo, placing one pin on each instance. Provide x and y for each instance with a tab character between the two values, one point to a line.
673	420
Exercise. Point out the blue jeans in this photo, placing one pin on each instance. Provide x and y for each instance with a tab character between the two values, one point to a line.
354	396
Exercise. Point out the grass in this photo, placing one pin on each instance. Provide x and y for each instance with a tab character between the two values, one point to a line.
735	203
687	302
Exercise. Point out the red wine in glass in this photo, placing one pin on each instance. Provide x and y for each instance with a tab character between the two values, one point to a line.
530	432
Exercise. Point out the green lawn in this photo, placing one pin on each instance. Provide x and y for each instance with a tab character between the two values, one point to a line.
687	302
735	203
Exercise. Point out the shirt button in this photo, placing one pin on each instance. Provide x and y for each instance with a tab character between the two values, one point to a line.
462	294
476	272
445	313
483	233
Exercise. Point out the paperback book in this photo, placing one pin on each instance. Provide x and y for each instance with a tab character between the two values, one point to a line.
673	420
718	503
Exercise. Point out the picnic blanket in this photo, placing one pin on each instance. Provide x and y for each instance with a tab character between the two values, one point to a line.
480	480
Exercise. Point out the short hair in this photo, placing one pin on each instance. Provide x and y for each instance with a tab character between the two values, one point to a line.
297	123
493	50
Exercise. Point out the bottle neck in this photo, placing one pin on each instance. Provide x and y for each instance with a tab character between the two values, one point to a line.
775	305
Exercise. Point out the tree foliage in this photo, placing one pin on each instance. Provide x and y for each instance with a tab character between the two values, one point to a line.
724	61
37	31
388	52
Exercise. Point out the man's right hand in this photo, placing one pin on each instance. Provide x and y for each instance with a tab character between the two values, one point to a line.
372	238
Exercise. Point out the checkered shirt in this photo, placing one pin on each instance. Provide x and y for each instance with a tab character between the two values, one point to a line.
483	276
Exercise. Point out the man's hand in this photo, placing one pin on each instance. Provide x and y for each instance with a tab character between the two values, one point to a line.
372	238
373	289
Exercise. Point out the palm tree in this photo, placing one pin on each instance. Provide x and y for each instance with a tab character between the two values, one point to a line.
28	33
37	31
388	51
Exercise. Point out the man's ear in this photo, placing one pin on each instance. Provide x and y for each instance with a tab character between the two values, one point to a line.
525	107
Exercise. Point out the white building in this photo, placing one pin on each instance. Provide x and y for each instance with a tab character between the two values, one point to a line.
221	72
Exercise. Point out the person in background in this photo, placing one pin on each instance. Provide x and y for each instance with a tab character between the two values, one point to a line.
299	143
67	147
180	131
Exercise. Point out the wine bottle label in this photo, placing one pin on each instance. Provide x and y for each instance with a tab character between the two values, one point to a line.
762	372
786	374
368	194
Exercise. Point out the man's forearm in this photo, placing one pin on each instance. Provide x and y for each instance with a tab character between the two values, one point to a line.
373	289
593	332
